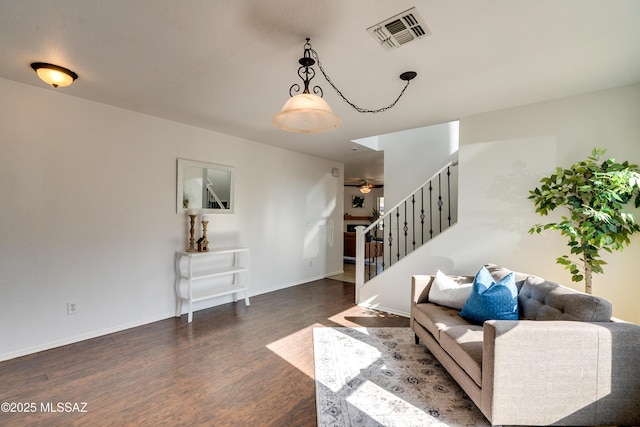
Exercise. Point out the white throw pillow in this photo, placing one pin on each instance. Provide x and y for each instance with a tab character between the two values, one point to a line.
446	291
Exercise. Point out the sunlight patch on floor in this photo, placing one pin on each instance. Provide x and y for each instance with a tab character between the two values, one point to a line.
361	399
296	349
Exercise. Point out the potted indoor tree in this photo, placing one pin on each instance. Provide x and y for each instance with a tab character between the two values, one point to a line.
595	193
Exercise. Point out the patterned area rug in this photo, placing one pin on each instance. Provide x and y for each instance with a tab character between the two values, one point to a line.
379	377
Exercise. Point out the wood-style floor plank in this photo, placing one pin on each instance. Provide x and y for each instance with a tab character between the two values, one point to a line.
232	366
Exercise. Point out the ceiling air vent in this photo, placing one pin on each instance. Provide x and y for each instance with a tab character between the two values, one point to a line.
401	29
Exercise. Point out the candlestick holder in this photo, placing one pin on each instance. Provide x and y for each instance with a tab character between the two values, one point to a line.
192	243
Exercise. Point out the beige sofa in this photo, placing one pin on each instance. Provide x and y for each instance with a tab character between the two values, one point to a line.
565	362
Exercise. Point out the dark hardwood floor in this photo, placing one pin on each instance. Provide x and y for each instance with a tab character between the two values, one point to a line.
232	366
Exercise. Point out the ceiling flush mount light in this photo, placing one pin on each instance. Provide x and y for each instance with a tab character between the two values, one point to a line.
307	112
54	75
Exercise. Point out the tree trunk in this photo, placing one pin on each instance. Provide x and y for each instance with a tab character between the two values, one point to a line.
587	276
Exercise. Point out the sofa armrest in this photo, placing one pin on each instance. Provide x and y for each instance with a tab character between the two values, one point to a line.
550	372
420	284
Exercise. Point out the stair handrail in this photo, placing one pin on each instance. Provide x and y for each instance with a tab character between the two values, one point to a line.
212	193
361	231
389	211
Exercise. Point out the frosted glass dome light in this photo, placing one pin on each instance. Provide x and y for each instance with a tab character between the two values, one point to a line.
54	75
306	113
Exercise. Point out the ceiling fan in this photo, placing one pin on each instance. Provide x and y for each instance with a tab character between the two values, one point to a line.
364	185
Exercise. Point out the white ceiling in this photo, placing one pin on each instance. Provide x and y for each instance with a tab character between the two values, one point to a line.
228	65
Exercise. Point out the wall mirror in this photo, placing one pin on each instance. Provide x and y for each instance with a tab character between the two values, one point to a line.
204	187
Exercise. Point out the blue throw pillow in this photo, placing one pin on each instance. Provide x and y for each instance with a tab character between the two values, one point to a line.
490	300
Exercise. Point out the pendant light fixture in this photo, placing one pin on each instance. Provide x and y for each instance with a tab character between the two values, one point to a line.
308	112
54	75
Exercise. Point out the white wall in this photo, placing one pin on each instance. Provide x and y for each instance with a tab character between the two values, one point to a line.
503	155
89	214
411	157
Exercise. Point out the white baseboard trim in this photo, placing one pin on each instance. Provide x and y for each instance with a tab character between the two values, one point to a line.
141	322
289	285
83	337
386	310
334	273
226	299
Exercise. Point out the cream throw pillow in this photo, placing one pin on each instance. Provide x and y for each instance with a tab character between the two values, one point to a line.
446	291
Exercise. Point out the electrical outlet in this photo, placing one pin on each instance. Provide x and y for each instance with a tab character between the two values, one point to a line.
72	307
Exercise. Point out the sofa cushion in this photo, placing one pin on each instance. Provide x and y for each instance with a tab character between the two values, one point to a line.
434	318
464	345
446	291
499	273
491	300
543	300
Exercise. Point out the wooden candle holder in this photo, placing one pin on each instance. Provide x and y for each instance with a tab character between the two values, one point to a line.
192	243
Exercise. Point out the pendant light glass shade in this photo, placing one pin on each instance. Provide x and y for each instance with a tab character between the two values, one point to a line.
306	113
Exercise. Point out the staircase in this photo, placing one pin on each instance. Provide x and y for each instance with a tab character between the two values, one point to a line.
420	217
213	201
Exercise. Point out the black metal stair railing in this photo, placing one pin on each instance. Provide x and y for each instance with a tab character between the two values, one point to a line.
417	219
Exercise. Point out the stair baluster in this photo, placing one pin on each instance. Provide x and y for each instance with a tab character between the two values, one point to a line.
379	262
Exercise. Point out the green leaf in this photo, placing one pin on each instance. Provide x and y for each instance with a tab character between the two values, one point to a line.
594	194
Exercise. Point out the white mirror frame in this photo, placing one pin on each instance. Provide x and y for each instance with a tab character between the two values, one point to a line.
180	196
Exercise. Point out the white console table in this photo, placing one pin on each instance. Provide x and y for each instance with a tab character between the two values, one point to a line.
201	276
